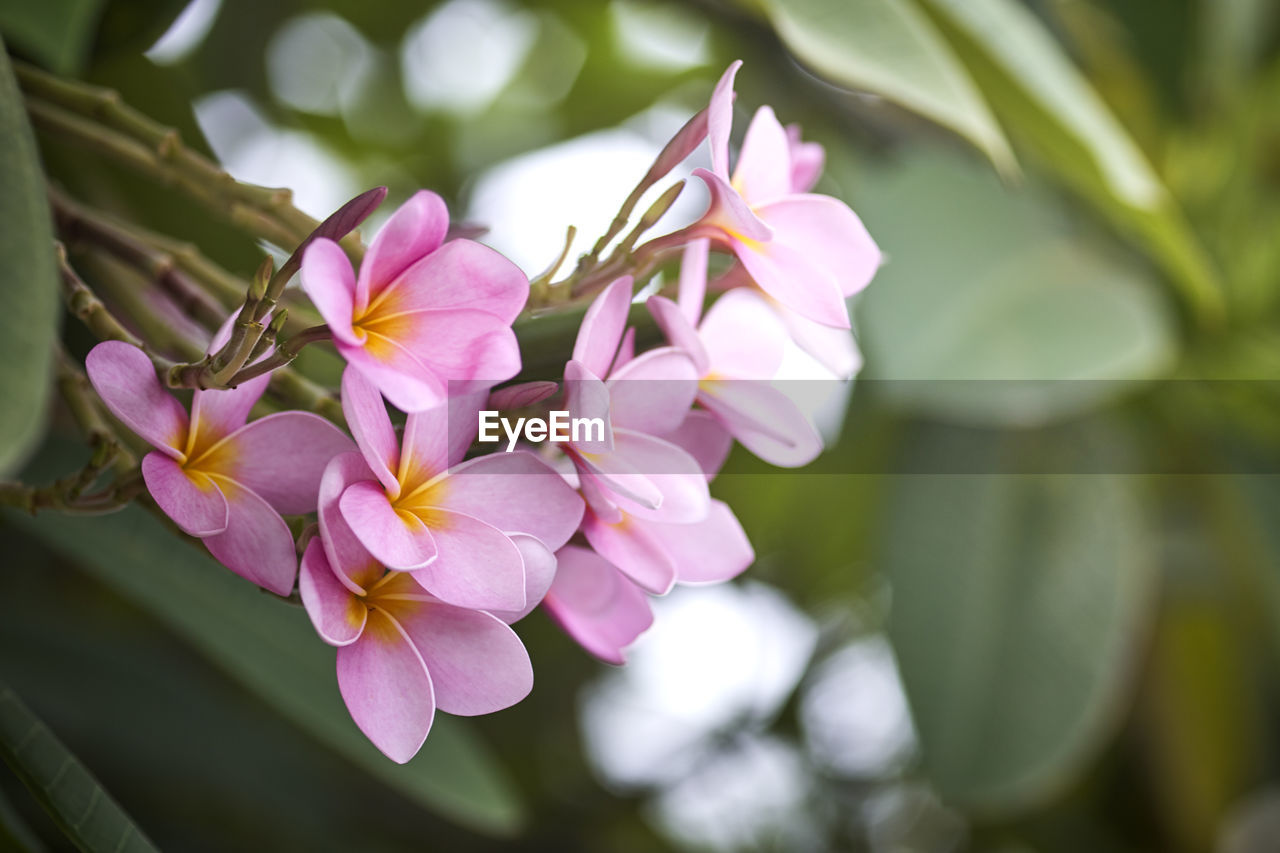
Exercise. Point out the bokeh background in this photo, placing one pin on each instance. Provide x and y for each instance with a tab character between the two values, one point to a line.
1027	601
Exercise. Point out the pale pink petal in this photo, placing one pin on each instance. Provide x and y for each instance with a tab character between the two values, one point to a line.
398	539
730	213
465	404
704	438
387	688
371	427
720	119
281	457
193	501
693	280
710	551
355	567
835	349
477	663
424	450
415	230
257	544
338	616
126	381
477	567
807	160
539	572
596	605
599	499
215	414
522	394
829	234
602	326
619	478
794	279
457	344
516	493
330	284
679	331
764	419
743	336
631	547
676	474
626	351
398	375
654	392
763	171
460	274
585	396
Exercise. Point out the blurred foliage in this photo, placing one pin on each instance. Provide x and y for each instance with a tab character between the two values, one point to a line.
1066	190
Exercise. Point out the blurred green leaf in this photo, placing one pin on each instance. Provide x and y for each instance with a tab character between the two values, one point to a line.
28	279
985	283
85	813
1041	97
57	33
15	834
890	48
1018	605
273	650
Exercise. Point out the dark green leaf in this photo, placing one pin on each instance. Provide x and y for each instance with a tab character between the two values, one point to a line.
28	278
67	790
57	33
15	834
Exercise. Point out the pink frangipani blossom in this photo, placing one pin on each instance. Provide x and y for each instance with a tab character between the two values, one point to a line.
417	507
219	478
421	312
596	604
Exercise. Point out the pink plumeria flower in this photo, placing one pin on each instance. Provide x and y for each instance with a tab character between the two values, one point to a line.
807	251
219	478
596	604
421	312
736	349
417	507
403	653
631	469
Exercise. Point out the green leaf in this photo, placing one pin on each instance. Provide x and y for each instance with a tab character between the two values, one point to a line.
28	279
15	834
1042	98
888	47
984	283
1019	604
57	33
272	650
84	812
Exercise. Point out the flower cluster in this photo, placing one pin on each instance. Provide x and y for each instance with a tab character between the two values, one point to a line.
424	548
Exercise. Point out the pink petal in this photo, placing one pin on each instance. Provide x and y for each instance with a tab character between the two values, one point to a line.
398	375
704	438
793	278
281	457
516	493
764	419
676	475
460	274
371	427
807	160
654	392
464	409
602	326
387	689
710	551
720	119
424	449
693	279
834	349
829	234
730	213
679	331
596	605
477	567
477	663
585	396
763	172
126	381
522	394
257	544
631	547
731	353
396	538
457	344
626	351
193	501
351	562
415	230
215	414
539	572
330	284
338	616
618	478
